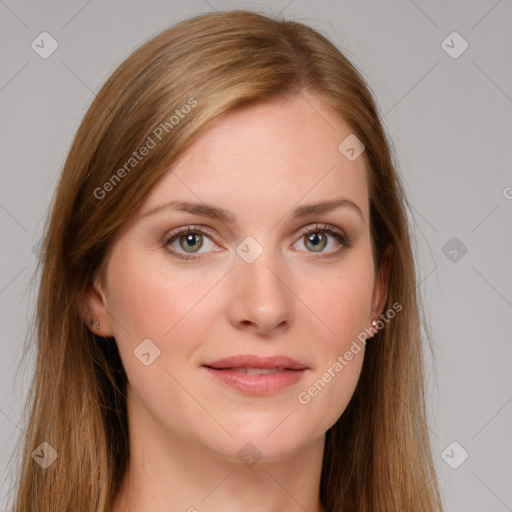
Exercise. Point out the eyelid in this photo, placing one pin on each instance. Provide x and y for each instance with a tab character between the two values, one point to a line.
189	228
321	226
330	229
333	231
184	230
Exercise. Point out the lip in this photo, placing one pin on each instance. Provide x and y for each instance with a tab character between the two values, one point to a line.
230	371
253	361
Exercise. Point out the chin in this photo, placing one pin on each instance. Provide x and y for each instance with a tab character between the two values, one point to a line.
267	441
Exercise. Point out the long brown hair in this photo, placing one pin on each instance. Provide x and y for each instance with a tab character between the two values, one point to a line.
377	456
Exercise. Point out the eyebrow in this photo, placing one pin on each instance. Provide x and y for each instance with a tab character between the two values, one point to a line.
214	212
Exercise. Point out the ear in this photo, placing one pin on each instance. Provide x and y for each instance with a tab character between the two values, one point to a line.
93	307
380	293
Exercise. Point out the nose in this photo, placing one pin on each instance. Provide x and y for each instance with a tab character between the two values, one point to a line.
261	298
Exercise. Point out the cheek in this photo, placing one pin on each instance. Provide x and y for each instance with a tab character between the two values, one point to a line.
342	300
343	304
326	396
151	299
148	299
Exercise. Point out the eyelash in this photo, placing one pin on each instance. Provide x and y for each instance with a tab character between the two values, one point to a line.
329	229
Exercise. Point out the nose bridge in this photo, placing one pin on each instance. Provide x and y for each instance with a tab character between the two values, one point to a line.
262	276
262	297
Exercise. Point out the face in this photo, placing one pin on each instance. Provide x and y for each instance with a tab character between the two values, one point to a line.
231	298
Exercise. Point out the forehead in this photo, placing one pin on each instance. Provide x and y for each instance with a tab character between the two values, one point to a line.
280	152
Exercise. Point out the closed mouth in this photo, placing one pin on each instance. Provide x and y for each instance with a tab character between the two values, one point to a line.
253	371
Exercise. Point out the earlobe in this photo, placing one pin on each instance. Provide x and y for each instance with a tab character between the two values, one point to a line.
94	324
382	286
92	304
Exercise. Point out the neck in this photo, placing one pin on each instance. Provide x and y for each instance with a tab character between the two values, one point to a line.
169	473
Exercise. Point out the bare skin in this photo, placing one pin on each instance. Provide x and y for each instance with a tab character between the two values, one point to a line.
305	296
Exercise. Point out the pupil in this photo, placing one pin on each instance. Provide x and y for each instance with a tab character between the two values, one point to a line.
191	242
318	241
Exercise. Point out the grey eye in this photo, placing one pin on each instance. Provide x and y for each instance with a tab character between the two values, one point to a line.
316	241
191	242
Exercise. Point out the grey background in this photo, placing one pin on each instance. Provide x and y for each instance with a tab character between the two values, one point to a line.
451	124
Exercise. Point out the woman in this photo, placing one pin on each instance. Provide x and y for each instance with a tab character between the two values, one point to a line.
228	316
